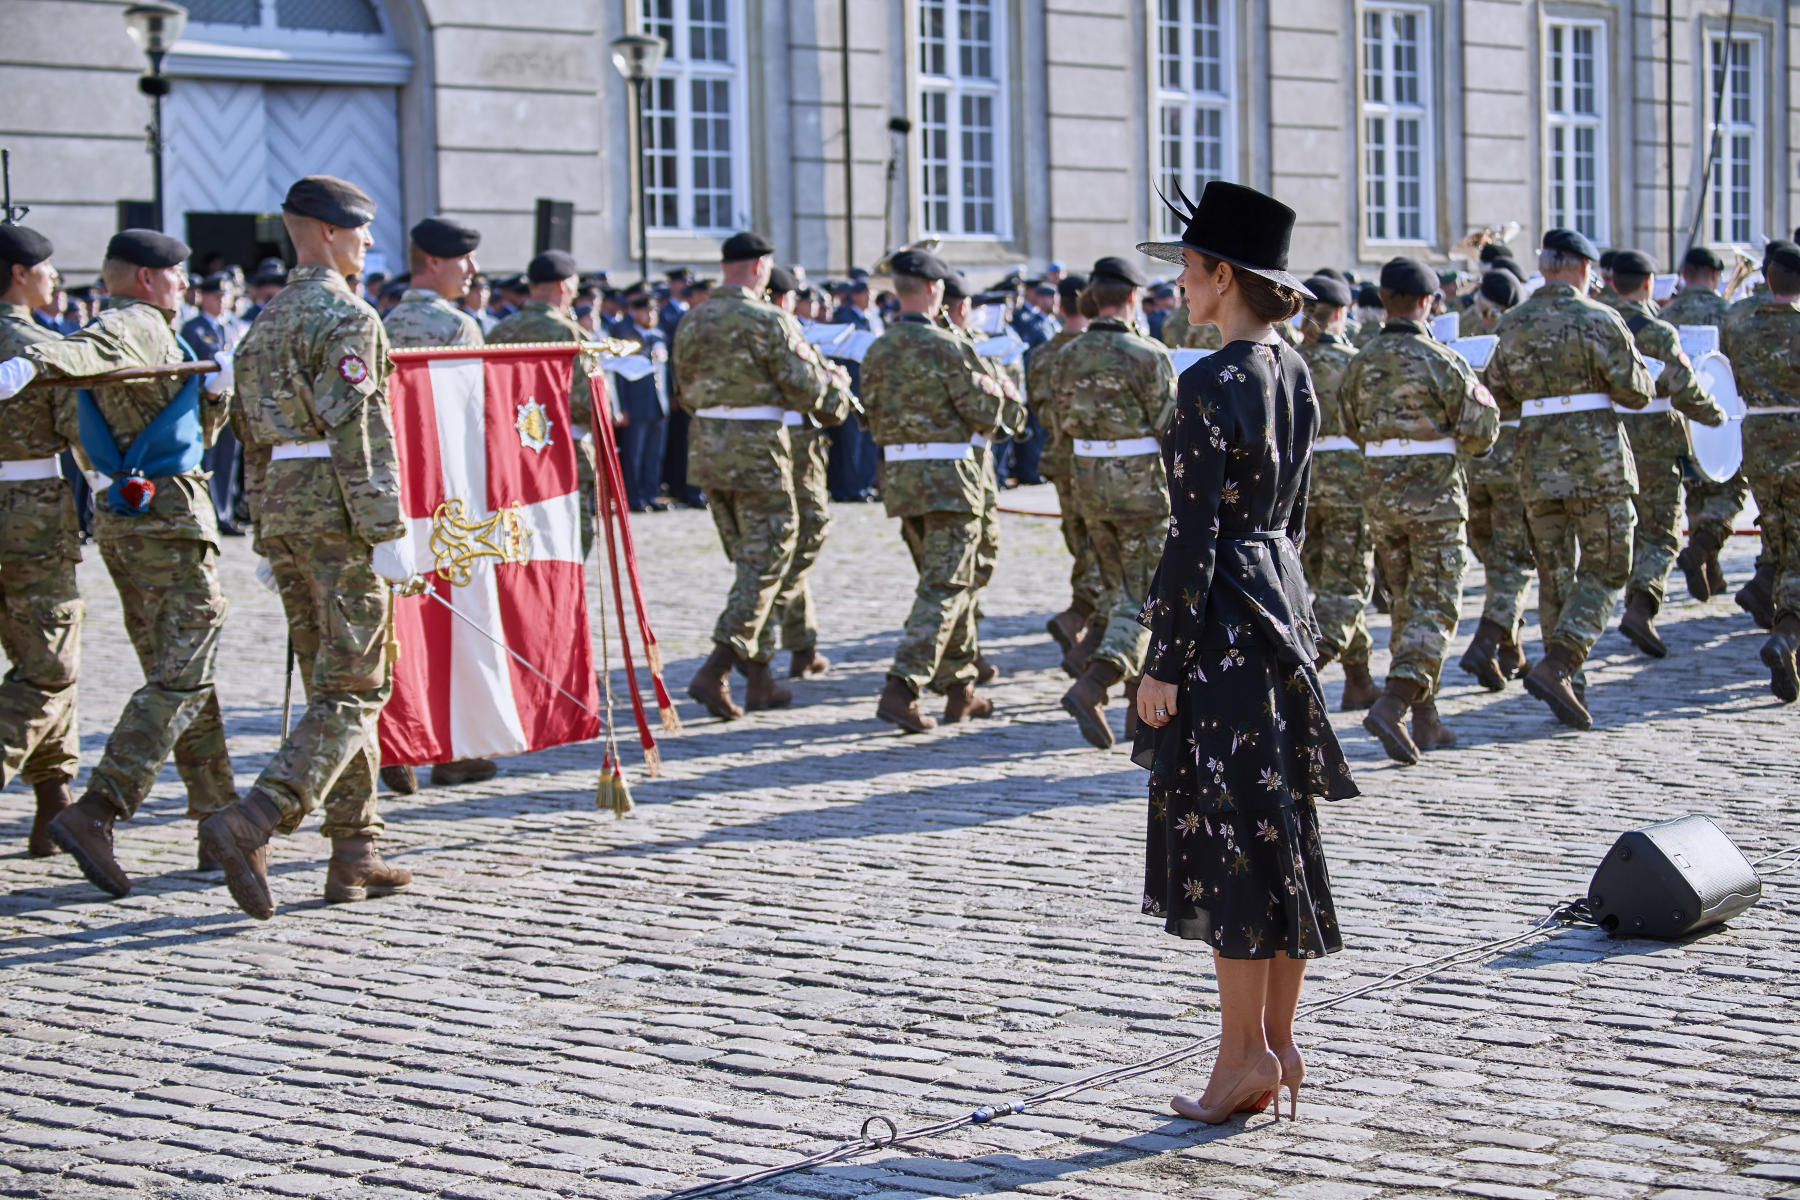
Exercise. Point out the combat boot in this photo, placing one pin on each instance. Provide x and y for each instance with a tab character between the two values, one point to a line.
1758	597
400	780
1778	655
237	838
1085	700
1637	624
962	702
985	671
1482	658
1513	663
805	663
711	686
1715	575
1702	549
1066	626
52	797
1387	720
1077	659
1360	688
1131	712
85	831
760	689
1552	682
357	872
463	770
1428	730
898	706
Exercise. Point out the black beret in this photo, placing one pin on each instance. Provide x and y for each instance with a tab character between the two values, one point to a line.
331	200
23	247
992	296
1328	291
742	247
1508	263
1369	296
212	284
394	287
1070	289
1501	288
956	287
1408	277
552	266
513	283
264	278
1494	250
1119	270
1331	273
918	264
147	248
1632	262
1570	241
1703	258
1607	258
1782	253
441	237
859	274
782	281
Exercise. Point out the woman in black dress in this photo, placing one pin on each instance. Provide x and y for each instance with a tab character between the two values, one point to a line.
1233	726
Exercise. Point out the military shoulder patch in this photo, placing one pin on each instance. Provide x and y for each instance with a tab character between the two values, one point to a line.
986	383
353	368
1483	396
804	349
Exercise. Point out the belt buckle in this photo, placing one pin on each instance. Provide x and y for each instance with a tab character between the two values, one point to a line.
1567	400
1112	445
1406	441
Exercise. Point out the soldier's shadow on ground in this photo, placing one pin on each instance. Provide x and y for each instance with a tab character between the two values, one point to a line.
140	936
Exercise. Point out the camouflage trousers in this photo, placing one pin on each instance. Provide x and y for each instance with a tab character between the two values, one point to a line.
586	495
1339	558
1659	446
987	548
1583	552
40	628
1714	507
174	609
1778	502
338	621
1084	574
1423	563
812	502
759	531
937	647
1127	549
1497	533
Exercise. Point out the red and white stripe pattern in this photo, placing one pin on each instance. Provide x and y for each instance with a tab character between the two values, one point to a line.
458	694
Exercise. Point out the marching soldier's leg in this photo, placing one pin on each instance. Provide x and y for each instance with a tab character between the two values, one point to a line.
1439	561
767	528
40	627
1508	578
944	546
799	623
1407	684
1658	510
1084	577
1778	500
711	685
1341	556
1712	511
987	557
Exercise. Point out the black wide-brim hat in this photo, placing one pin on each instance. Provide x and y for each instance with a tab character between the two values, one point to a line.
1233	224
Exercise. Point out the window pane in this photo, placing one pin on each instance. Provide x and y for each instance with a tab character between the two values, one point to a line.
1375	174
1209	47
975	39
661	175
1406	59
931	37
1168	44
659	21
1374	70
934	160
1582	71
712	154
978	164
1408	180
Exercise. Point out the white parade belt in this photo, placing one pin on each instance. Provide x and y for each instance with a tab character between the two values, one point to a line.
21	469
791	418
1552	405
980	441
1400	447
318	449
1335	442
909	451
1658	404
1096	448
757	412
1513	424
1773	410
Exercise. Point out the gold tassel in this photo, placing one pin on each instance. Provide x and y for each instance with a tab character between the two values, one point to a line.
668	718
652	762
622	795
653	655
606	793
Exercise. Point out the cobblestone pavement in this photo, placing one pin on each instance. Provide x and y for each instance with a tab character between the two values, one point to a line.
812	920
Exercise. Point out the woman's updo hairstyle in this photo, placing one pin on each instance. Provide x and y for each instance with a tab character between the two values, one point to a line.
1266	300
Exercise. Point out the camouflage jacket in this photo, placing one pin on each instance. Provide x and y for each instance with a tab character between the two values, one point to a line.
923	384
736	351
1407	385
1764	348
1178	334
1059	454
1742	308
37	516
1114	386
536	321
1337	475
1011	377
1559	344
131	333
315	366
424	318
1656	338
1695	306
1474	321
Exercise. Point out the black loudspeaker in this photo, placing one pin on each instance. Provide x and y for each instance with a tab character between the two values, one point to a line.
1669	880
555	225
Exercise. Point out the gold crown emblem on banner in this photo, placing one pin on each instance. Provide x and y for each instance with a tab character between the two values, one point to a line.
458	543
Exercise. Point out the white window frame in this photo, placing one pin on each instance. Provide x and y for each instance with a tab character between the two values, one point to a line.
1724	225
1381	212
1188	93
1566	125
954	90
685	73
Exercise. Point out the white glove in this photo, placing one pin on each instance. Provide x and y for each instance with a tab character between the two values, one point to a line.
393	561
265	575
221	380
15	373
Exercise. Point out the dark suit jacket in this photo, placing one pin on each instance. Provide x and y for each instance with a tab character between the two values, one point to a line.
643	399
200	334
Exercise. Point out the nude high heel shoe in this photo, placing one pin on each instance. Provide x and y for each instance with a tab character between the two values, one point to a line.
1252	1091
1293	1074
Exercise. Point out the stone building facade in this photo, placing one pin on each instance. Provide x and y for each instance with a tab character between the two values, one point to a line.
1038	128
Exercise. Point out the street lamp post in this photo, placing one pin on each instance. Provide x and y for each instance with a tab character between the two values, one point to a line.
637	56
155	27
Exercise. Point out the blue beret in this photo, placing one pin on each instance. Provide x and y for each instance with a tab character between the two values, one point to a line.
1571	241
147	248
441	237
331	200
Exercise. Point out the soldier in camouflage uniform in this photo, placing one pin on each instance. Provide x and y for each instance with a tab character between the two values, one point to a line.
1497	292
1497	532
1758	595
1761	346
1178	334
741	364
1564	361
1118	394
40	543
1659	446
932	404
1413	404
160	542
1058	463
1712	508
1368	314
324	486
1338	554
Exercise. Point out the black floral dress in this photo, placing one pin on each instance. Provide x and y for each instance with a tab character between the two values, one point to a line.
1234	856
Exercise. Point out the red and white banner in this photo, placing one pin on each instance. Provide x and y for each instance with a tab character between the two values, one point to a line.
488	488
